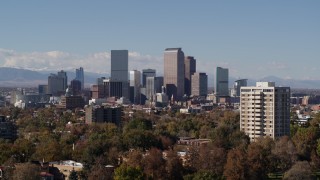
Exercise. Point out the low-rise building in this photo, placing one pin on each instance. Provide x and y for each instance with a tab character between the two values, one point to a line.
103	114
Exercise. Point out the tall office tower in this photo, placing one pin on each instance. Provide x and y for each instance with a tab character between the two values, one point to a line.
174	73
189	69
147	73
222	87
80	76
153	86
199	84
238	84
64	76
75	86
135	84
119	72
57	83
119	65
265	110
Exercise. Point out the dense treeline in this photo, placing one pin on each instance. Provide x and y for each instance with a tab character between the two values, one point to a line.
145	146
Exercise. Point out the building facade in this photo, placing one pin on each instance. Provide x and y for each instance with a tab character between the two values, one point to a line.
222	81
199	83
135	84
119	65
57	83
147	73
153	86
119	81
80	76
174	73
265	110
189	69
103	114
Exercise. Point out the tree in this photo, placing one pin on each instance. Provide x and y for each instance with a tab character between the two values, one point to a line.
26	171
174	166
202	175
284	154
305	140
299	171
23	149
211	159
259	157
236	166
5	151
154	164
73	175
125	172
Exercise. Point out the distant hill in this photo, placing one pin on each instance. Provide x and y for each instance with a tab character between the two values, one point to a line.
14	77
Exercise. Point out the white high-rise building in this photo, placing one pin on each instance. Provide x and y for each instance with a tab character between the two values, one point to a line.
135	85
265	110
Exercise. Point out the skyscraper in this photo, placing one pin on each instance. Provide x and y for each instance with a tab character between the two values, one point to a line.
222	81
174	72
153	86
199	84
119	73
238	84
147	73
119	65
57	83
80	76
265	110
189	69
135	84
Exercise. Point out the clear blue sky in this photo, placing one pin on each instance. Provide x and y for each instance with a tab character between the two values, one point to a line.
252	38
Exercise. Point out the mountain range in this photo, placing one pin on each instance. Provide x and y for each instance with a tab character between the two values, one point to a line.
14	77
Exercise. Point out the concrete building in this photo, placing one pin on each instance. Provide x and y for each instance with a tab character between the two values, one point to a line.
265	110
103	114
222	81
189	69
199	83
153	86
57	83
71	102
80	77
174	73
147	73
135	85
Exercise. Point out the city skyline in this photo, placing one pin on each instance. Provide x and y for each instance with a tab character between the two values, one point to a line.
251	39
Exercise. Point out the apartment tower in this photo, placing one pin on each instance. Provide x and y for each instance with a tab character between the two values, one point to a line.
174	73
265	110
